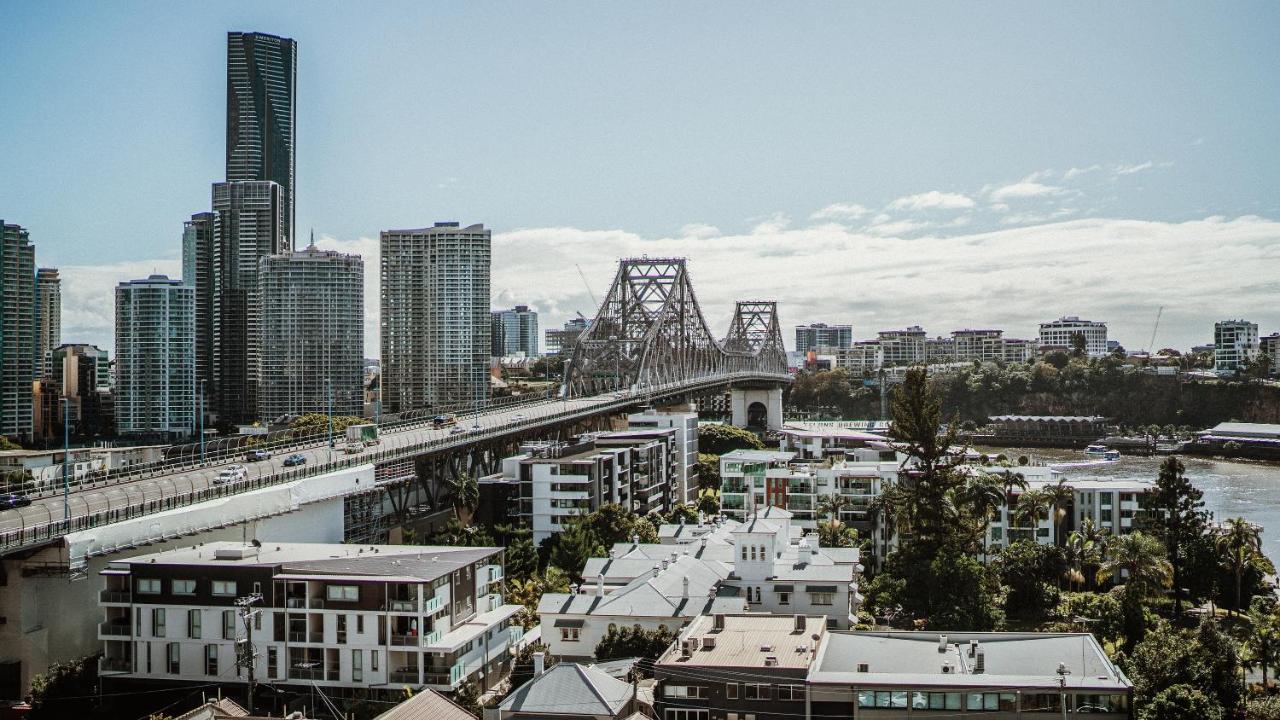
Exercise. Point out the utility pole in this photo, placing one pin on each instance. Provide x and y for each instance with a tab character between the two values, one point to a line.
246	657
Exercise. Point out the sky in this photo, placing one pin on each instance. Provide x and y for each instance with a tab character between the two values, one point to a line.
943	164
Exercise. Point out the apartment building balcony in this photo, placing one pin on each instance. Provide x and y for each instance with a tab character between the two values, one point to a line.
445	679
491	573
406	676
306	673
115	597
433	604
113	628
407	606
114	665
306	637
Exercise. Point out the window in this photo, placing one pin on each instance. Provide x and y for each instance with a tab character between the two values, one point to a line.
137	622
211	660
184	587
174	658
731	691
790	692
149	586
687	714
757	692
157	622
1041	703
882	699
342	629
147	650
193	624
697	692
821	598
569	634
784	598
257	619
360	624
357	666
373	660
228	624
342	593
273	661
225	588
744	552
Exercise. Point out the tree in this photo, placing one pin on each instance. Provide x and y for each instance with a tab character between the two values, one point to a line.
721	439
464	492
837	534
633	642
1181	702
66	689
1241	542
831	506
573	546
1176	517
1262	637
708	503
612	523
1140	560
1060	497
1031	572
7	444
708	469
521	559
949	590
1263	708
1033	506
1079	345
925	500
467	697
459	535
1205	658
1085	549
682	513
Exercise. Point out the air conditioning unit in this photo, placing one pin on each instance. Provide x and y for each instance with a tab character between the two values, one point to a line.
770	660
708	643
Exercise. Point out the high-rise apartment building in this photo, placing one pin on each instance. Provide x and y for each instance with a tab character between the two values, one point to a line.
80	374
262	74
17	330
902	347
821	335
312	333
248	222
435	317
562	341
155	358
515	332
48	317
1061	333
1235	344
197	271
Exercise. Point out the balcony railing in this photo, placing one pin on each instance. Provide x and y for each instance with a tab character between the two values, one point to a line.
115	596
432	637
315	637
115	629
407	677
406	640
306	673
433	604
297	637
402	605
107	664
295	602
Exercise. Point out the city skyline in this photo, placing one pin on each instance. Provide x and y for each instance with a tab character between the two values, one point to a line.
1109	218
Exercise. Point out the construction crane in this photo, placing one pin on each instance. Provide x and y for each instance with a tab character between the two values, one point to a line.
583	275
1151	346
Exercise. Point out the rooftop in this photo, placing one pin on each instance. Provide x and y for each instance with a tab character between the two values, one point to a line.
570	689
426	704
747	640
759	455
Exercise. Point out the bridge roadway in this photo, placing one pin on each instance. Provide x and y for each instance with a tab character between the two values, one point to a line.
46	519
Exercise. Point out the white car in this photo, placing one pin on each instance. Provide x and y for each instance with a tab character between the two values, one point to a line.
517	417
234	473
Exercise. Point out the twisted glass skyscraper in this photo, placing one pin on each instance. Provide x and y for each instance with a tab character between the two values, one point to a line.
262	73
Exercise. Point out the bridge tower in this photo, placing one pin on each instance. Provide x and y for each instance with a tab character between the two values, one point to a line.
755	331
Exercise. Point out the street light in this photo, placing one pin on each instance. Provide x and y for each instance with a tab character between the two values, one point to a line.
66	458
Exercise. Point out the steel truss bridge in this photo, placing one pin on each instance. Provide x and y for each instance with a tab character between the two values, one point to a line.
649	344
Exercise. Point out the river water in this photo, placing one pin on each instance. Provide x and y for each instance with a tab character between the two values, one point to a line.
1232	488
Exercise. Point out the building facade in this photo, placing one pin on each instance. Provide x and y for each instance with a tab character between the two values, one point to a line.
565	339
48	317
155	358
1235	345
262	77
435	317
79	374
1269	345
1061	333
902	347
197	271
248	225
821	335
17	330
312	334
515	332
387	617
685	424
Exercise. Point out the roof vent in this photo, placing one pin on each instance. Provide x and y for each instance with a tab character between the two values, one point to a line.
942	643
708	643
948	669
771	661
718	621
766	648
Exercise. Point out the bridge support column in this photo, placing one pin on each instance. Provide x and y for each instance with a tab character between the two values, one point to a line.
756	408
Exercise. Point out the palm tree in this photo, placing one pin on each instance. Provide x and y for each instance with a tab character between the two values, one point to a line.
1241	541
1262	640
464	491
1087	546
1059	496
831	506
1033	506
982	496
1141	560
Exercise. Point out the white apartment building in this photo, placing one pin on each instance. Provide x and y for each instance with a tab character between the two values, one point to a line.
385	617
902	347
1235	344
155	358
685	423
1060	332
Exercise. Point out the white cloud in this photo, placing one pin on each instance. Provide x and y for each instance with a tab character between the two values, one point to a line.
1112	269
699	230
1076	172
1033	217
1131	169
1023	189
841	211
932	200
897	227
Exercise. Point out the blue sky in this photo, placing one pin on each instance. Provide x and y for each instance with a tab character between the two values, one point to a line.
878	162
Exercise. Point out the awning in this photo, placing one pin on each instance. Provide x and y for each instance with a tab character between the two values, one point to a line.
820	588
568	623
113	571
784	588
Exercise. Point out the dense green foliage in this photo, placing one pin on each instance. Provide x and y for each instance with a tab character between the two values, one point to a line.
1031	572
66	689
633	642
708	471
1181	702
721	439
1205	659
1176	516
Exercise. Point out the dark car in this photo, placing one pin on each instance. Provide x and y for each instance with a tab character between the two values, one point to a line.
13	500
295	460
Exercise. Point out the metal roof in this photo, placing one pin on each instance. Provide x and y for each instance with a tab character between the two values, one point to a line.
426	704
570	689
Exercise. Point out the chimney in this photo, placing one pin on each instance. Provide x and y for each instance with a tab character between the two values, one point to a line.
799	623
942	643
980	661
665	562
718	621
612	553
656	569
600	585
539	663
684	587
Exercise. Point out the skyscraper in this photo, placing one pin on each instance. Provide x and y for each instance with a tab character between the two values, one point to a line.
155	358
197	271
17	330
48	317
262	76
514	332
247	227
435	317
312	333
812	337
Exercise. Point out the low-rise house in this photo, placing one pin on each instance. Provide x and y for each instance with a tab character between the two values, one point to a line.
342	616
569	691
426	704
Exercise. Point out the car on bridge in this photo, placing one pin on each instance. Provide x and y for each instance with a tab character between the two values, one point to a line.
258	455
234	473
457	430
517	417
9	501
476	428
295	459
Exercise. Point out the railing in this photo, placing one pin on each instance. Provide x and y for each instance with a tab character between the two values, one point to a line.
408	678
107	664
402	605
115	629
433	604
115	596
432	638
47	531
296	603
306	673
406	640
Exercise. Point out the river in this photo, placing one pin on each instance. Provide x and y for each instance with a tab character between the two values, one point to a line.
1232	488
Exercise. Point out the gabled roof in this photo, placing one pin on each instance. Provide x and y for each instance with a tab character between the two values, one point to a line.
426	704
570	689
